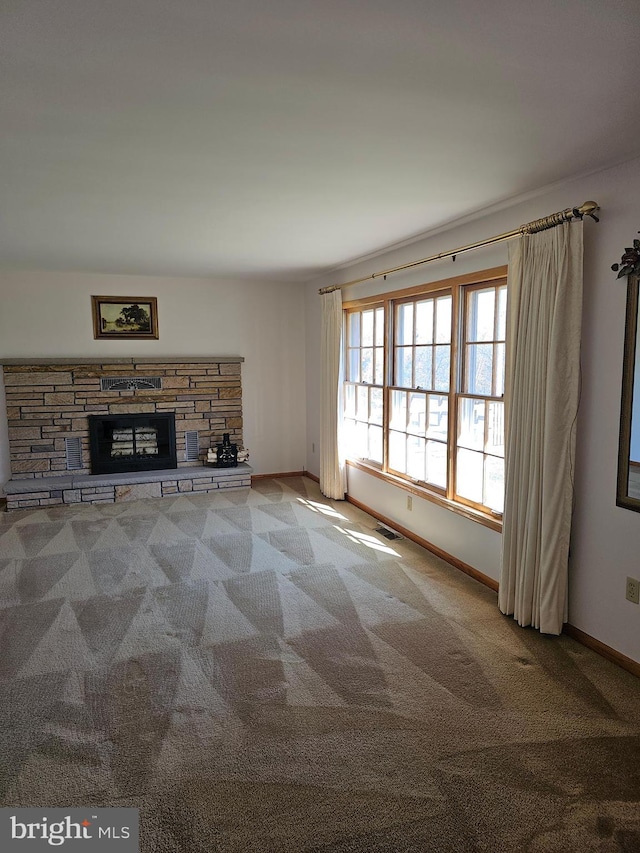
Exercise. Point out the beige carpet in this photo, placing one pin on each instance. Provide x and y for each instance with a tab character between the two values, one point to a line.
260	671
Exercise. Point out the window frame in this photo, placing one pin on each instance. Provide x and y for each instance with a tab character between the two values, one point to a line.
395	387
458	287
350	382
463	382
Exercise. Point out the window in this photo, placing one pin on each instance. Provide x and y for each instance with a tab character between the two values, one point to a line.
480	433
421	381
424	388
364	388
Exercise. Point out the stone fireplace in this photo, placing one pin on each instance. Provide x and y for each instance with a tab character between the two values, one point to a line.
51	402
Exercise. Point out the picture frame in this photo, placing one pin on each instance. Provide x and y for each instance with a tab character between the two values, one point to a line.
628	489
125	317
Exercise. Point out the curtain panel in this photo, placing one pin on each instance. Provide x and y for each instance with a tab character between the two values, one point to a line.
542	382
332	466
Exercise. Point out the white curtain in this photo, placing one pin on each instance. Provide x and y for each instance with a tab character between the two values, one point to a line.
543	375
332	468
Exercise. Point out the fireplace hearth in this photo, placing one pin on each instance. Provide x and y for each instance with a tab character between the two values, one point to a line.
134	442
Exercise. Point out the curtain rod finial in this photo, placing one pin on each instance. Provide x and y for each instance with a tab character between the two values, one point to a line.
589	208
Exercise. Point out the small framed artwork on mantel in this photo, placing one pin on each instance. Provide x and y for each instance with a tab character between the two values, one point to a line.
125	317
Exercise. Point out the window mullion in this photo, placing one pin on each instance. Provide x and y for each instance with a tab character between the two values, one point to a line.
454	380
388	356
494	351
433	346
413	345
494	376
484	450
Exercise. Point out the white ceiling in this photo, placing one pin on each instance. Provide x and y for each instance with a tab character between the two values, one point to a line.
282	138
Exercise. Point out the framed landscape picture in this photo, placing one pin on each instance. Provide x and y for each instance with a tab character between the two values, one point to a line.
125	316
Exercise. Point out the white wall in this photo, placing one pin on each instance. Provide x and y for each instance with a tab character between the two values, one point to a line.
49	314
605	537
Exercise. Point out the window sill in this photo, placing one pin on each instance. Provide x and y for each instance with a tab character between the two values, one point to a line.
482	518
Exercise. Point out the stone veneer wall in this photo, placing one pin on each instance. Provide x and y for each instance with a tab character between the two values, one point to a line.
49	400
114	488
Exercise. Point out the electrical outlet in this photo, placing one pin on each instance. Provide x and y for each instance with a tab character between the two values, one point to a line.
409	502
633	590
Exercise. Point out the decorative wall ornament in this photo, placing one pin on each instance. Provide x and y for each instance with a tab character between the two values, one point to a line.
630	261
125	316
131	383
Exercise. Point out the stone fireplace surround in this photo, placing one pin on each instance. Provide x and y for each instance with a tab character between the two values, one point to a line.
49	400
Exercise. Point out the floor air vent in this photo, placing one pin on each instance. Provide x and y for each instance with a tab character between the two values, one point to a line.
73	453
192	445
131	383
387	532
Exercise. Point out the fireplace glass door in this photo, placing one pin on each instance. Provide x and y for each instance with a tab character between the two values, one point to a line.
141	442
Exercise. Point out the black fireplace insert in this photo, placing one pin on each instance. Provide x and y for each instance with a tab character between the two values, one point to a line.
141	442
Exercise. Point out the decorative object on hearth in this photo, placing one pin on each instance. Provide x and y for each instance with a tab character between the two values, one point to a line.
630	261
212	456
227	453
125	317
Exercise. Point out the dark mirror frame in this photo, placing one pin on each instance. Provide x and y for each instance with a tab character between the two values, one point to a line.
626	407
